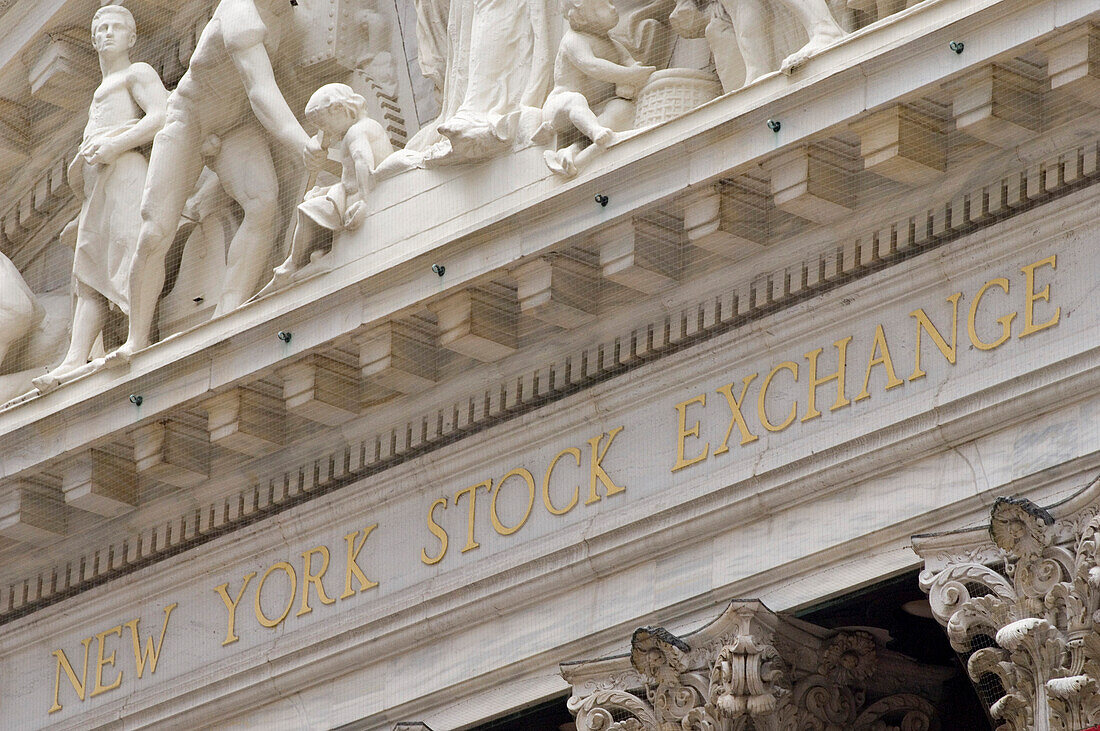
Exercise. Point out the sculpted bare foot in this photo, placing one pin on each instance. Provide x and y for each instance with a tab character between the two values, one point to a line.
122	356
560	162
282	276
65	374
46	382
818	42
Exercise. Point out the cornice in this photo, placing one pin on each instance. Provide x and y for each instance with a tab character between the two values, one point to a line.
539	571
727	310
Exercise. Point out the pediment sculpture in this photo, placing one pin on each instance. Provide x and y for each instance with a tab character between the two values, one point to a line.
108	175
194	171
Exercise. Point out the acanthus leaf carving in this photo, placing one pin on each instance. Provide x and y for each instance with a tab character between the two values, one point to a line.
748	669
1040	614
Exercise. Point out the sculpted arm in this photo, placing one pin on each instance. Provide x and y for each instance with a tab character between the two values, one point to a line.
362	155
579	52
152	97
250	58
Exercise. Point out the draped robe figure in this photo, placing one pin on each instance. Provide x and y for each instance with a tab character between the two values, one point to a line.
492	64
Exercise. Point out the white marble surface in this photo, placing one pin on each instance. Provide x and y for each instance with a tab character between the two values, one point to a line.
819	507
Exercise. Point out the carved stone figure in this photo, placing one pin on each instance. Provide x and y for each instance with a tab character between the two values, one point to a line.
108	174
19	310
218	115
591	71
495	58
1033	625
754	26
360	143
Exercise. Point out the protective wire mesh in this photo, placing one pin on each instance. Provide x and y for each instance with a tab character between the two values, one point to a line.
339	148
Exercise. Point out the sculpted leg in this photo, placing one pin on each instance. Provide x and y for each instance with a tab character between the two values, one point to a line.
174	167
248	174
820	26
751	23
584	119
89	314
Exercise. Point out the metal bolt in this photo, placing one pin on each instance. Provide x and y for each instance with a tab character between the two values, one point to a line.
135	399
285	336
774	125
956	46
439	269
602	199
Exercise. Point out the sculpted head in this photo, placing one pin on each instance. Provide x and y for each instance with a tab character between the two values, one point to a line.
334	108
590	16
113	29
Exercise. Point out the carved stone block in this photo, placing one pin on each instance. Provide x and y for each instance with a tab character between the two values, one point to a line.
101	483
730	219
640	254
33	514
322	389
1073	62
246	421
813	183
14	134
479	323
557	290
58	70
997	105
903	144
398	356
173	453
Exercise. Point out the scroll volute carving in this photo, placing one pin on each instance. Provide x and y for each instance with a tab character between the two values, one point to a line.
749	669
1039	608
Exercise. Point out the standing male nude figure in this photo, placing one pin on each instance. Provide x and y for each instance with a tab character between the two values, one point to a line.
221	108
108	174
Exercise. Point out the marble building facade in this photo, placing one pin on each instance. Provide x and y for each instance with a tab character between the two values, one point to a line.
519	364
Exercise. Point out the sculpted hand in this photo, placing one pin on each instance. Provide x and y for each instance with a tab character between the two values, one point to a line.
101	151
640	74
313	155
637	75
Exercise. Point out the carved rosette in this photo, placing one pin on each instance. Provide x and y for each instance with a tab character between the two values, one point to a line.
1031	623
748	669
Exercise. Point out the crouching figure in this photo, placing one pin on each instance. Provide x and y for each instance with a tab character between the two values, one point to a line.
360	144
592	71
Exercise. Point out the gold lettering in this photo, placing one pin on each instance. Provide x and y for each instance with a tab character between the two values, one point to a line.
761	412
597	473
1031	297
101	638
231	607
78	685
151	654
289	571
352	567
1005	320
736	417
471	544
437	531
925	324
495	518
883	359
311	579
838	376
683	433
546	483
